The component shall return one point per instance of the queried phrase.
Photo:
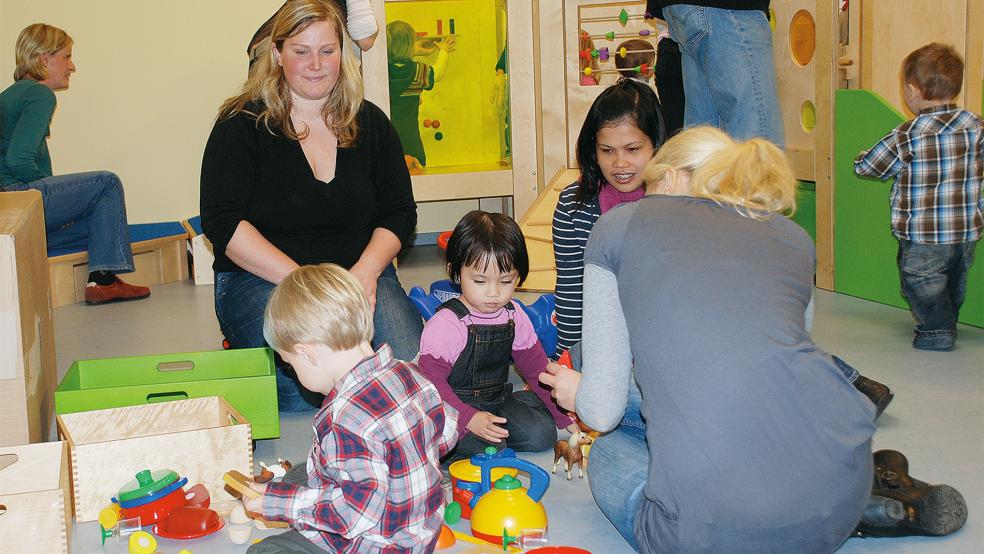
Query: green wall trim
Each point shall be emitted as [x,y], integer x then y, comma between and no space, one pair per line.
[864,247]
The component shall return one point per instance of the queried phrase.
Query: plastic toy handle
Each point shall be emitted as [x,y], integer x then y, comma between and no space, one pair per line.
[539,478]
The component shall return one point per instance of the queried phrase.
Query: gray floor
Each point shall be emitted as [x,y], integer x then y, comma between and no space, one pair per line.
[936,418]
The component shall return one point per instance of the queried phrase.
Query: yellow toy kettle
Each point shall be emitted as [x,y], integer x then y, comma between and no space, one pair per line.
[506,508]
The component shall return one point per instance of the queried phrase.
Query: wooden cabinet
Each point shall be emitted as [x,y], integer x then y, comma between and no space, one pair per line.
[27,349]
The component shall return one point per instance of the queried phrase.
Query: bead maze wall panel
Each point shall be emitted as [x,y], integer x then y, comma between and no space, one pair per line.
[794,43]
[593,34]
[448,84]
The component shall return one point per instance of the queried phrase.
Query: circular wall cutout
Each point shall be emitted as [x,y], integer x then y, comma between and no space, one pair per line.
[802,37]
[772,19]
[808,116]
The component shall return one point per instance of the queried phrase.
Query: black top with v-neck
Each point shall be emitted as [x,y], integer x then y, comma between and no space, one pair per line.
[250,174]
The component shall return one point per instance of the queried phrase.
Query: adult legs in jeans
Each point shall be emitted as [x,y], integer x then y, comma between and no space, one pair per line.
[241,298]
[934,282]
[396,321]
[617,473]
[729,77]
[86,207]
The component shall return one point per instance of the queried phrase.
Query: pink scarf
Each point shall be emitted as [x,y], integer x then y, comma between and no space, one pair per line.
[609,196]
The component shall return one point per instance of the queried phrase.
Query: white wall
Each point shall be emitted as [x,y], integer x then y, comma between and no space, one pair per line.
[151,76]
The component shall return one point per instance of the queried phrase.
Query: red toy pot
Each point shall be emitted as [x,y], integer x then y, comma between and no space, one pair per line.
[156,510]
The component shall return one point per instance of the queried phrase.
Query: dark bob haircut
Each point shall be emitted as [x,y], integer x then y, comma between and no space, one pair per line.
[625,100]
[481,237]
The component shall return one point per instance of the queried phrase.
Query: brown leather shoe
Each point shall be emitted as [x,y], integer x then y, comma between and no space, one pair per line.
[879,394]
[119,291]
[892,471]
[934,510]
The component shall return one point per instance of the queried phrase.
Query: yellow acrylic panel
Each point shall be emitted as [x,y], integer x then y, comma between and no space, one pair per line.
[458,122]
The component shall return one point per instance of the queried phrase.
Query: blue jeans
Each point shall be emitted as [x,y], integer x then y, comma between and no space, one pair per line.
[728,74]
[617,474]
[241,298]
[86,209]
[934,282]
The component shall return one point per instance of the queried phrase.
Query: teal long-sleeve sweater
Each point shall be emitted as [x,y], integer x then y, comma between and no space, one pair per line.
[26,108]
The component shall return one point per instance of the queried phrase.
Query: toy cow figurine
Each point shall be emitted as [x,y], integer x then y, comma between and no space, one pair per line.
[571,451]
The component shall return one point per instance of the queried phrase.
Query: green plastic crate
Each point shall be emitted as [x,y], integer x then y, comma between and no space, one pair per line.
[246,378]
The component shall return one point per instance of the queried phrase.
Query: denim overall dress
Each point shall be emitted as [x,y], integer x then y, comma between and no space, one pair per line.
[480,378]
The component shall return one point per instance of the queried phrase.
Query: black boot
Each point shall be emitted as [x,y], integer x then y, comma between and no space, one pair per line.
[879,394]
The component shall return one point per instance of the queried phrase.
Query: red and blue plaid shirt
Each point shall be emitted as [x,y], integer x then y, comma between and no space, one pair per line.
[937,160]
[374,478]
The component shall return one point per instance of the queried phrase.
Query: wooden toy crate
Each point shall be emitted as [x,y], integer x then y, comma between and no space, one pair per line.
[246,378]
[27,345]
[35,494]
[200,439]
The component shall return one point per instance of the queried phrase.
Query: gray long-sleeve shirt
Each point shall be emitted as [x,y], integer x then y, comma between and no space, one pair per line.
[757,442]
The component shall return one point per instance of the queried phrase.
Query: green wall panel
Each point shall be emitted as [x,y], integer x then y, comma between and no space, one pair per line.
[864,247]
[806,208]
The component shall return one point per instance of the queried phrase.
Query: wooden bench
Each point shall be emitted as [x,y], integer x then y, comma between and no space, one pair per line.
[158,257]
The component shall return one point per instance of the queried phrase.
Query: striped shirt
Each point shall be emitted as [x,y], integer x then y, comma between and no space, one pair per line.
[937,160]
[572,223]
[374,478]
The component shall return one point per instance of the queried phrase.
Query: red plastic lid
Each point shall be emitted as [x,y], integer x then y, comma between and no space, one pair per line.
[189,522]
[442,240]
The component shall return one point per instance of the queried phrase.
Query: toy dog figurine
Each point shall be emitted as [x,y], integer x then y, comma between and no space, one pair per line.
[571,451]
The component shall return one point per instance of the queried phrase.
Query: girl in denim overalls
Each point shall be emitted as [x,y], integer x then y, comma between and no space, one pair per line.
[466,347]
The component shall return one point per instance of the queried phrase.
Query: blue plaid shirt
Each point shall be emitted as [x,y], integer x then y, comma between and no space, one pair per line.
[937,160]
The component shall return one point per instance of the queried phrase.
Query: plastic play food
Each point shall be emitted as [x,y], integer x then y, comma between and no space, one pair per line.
[239,534]
[446,538]
[142,542]
[189,522]
[466,477]
[238,514]
[506,508]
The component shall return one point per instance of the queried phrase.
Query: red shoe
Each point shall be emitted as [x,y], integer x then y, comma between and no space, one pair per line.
[116,292]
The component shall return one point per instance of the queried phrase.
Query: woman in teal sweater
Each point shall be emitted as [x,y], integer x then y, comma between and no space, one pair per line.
[79,207]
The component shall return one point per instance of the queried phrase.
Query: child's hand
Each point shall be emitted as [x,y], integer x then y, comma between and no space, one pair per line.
[484,425]
[564,382]
[448,44]
[255,505]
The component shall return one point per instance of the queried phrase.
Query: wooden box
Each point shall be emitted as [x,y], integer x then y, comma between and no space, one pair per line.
[27,342]
[200,439]
[35,496]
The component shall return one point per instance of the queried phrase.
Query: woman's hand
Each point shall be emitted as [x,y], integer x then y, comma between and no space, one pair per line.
[484,425]
[563,382]
[255,505]
[367,278]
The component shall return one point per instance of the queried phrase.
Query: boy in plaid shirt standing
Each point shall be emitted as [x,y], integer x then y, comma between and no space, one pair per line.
[937,160]
[372,482]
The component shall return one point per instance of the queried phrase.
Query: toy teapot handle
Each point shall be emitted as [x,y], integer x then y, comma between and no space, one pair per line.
[539,478]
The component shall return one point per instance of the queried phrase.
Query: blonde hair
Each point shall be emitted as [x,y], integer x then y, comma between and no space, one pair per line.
[267,86]
[318,304]
[400,40]
[33,42]
[752,176]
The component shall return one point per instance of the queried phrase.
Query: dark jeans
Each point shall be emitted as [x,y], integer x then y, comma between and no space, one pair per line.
[934,282]
[531,427]
[87,209]
[241,297]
